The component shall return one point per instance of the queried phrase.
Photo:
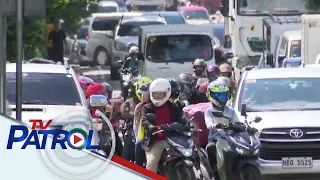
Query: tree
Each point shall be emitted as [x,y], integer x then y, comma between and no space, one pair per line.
[71,11]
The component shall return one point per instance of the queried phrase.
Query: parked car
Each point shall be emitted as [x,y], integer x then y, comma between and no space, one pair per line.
[78,49]
[100,36]
[171,17]
[107,7]
[126,35]
[195,14]
[121,4]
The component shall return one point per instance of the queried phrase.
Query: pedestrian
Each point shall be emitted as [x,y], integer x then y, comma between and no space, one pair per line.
[59,42]
[48,28]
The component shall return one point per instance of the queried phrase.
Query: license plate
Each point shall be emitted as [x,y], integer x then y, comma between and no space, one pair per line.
[296,162]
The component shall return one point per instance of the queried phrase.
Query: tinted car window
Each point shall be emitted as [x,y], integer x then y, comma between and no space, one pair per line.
[44,88]
[174,20]
[106,9]
[105,24]
[196,15]
[82,33]
[133,28]
[119,2]
[295,49]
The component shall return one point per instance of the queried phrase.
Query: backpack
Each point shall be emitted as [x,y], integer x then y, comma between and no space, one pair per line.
[197,112]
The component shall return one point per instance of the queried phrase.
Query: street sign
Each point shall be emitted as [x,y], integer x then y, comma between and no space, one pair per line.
[31,7]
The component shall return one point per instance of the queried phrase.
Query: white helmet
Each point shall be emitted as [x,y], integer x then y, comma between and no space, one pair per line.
[133,50]
[160,91]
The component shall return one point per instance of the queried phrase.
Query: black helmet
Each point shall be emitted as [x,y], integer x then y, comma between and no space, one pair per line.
[187,79]
[108,88]
[175,88]
[199,66]
[144,88]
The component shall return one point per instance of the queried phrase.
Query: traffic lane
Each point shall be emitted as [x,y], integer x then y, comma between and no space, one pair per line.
[100,74]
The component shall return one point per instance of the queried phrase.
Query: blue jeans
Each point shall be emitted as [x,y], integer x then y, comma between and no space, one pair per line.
[140,155]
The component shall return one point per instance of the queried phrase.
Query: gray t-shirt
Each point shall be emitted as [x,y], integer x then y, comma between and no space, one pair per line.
[211,120]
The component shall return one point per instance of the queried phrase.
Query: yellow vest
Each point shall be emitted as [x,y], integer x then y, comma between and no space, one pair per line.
[48,28]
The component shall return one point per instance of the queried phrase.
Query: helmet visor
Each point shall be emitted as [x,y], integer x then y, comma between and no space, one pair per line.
[159,95]
[220,96]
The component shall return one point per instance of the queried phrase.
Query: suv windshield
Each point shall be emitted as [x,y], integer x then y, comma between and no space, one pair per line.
[44,88]
[196,15]
[295,49]
[281,94]
[260,7]
[178,48]
[174,20]
[133,28]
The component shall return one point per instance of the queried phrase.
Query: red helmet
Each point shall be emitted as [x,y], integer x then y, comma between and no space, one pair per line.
[94,88]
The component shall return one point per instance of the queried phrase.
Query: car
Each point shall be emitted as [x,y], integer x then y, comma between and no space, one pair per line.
[287,100]
[100,36]
[171,17]
[126,35]
[78,53]
[107,7]
[121,4]
[49,91]
[195,14]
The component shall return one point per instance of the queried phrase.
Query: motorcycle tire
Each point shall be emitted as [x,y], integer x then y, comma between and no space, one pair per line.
[185,173]
[250,172]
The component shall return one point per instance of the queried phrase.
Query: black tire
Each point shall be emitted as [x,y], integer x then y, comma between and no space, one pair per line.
[185,173]
[250,172]
[95,57]
[114,74]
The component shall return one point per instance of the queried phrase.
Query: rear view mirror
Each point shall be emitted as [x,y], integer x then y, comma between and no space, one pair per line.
[140,56]
[270,59]
[257,119]
[229,55]
[110,34]
[151,117]
[244,110]
[96,101]
[224,11]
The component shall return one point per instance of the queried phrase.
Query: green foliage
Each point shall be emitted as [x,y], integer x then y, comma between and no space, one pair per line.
[71,11]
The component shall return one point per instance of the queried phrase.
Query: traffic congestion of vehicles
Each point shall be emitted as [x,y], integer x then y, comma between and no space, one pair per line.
[188,98]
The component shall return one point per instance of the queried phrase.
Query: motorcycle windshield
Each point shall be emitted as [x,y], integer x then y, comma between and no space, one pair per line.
[181,141]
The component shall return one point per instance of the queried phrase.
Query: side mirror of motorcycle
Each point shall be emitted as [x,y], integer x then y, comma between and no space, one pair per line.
[120,61]
[140,56]
[244,110]
[257,119]
[151,117]
[96,101]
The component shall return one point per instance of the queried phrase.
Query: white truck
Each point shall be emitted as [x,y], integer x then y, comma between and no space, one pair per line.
[243,23]
[310,38]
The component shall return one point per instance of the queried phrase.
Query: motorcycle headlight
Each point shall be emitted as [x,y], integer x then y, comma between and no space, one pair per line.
[187,152]
[243,151]
[120,46]
[125,83]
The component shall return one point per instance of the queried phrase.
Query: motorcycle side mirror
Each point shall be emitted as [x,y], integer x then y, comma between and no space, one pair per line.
[140,57]
[257,119]
[96,101]
[244,110]
[120,61]
[151,117]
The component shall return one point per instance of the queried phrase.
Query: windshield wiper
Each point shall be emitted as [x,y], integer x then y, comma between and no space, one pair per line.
[277,11]
[39,102]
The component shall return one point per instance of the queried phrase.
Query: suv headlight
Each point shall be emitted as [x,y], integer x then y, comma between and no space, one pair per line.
[120,46]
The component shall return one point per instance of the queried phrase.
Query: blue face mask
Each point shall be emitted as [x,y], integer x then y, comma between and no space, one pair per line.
[220,96]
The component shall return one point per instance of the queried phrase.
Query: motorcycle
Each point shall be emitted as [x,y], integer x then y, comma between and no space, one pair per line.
[178,160]
[238,148]
[128,79]
[129,142]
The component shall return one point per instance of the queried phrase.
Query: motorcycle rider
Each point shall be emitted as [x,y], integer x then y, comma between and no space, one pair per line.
[213,72]
[219,55]
[166,112]
[199,68]
[131,61]
[128,111]
[193,95]
[84,82]
[218,94]
[226,71]
[94,89]
[140,156]
[175,93]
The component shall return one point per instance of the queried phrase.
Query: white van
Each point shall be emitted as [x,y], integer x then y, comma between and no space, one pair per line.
[167,51]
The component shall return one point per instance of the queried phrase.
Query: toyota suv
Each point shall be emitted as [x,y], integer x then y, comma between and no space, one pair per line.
[126,35]
[100,36]
[288,101]
[50,92]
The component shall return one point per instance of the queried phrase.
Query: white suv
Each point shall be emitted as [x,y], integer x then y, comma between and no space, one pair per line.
[100,36]
[49,91]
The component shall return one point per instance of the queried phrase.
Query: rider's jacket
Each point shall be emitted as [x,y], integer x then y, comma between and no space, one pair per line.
[130,63]
[127,109]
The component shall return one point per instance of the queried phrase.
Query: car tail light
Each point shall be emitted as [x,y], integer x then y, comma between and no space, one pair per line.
[88,36]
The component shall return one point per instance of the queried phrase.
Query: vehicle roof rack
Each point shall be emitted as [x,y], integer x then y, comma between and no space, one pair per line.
[37,60]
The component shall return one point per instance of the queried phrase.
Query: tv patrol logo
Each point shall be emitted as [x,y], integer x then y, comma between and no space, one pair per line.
[70,148]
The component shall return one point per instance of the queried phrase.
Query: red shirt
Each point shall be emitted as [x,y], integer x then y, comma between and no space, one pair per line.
[163,115]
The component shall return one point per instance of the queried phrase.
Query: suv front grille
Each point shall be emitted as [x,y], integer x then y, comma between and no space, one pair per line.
[277,143]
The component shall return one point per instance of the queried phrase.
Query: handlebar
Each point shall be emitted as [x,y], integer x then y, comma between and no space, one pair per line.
[192,128]
[237,127]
